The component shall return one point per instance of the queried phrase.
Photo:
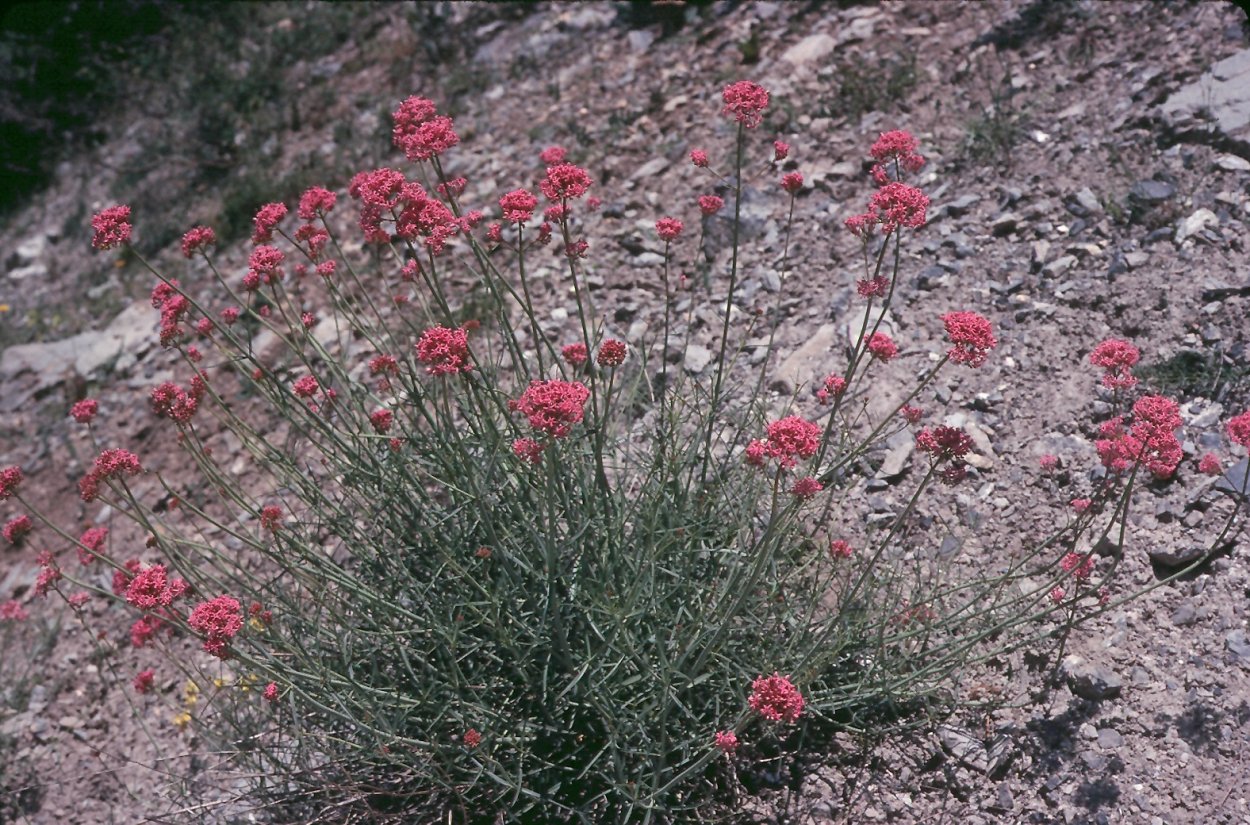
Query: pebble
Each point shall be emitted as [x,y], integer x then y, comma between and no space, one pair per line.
[1108,738]
[697,358]
[1090,681]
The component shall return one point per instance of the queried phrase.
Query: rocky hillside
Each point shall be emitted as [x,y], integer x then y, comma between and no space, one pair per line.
[1089,166]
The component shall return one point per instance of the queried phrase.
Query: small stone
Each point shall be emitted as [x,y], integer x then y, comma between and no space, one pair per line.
[960,206]
[809,49]
[1058,266]
[1195,223]
[1185,614]
[965,748]
[901,447]
[1090,681]
[1236,480]
[1175,555]
[697,358]
[1239,646]
[1087,202]
[806,362]
[1232,163]
[1005,224]
[1004,800]
[1151,192]
[1108,738]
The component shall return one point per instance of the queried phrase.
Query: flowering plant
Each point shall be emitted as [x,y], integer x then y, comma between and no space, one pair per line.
[491,570]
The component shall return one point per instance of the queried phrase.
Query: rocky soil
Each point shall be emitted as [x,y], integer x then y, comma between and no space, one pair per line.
[1089,166]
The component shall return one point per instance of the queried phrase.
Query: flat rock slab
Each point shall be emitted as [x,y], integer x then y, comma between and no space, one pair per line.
[1219,99]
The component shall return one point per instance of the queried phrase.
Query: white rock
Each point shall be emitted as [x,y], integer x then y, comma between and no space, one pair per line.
[1195,223]
[809,49]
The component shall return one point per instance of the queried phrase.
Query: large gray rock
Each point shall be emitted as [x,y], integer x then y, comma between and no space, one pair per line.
[51,362]
[810,362]
[1220,99]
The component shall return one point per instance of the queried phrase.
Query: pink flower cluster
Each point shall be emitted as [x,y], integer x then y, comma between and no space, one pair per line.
[711,204]
[776,698]
[612,353]
[17,528]
[575,354]
[789,439]
[882,347]
[385,195]
[840,549]
[173,306]
[91,544]
[173,402]
[1151,440]
[1080,566]
[444,351]
[316,202]
[944,443]
[896,146]
[668,229]
[834,385]
[565,181]
[1117,357]
[264,265]
[11,611]
[10,478]
[84,411]
[267,219]
[806,488]
[897,204]
[1239,429]
[726,741]
[518,206]
[112,227]
[553,407]
[218,620]
[420,131]
[745,102]
[152,588]
[109,464]
[197,239]
[792,182]
[972,336]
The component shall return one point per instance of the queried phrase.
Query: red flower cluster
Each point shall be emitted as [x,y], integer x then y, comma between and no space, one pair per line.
[271,692]
[91,544]
[781,150]
[316,202]
[1151,440]
[552,155]
[575,354]
[897,146]
[527,449]
[84,412]
[381,420]
[840,549]
[776,698]
[972,336]
[518,206]
[16,528]
[1239,429]
[745,102]
[271,517]
[834,386]
[264,265]
[143,681]
[726,741]
[173,402]
[420,131]
[711,204]
[472,738]
[444,351]
[668,229]
[196,239]
[789,439]
[306,387]
[173,306]
[553,407]
[152,588]
[1117,357]
[792,182]
[612,353]
[882,346]
[112,227]
[805,488]
[564,181]
[108,464]
[875,287]
[897,204]
[267,218]
[11,611]
[49,574]
[10,477]
[699,158]
[218,620]
[1080,566]
[1210,465]
[944,443]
